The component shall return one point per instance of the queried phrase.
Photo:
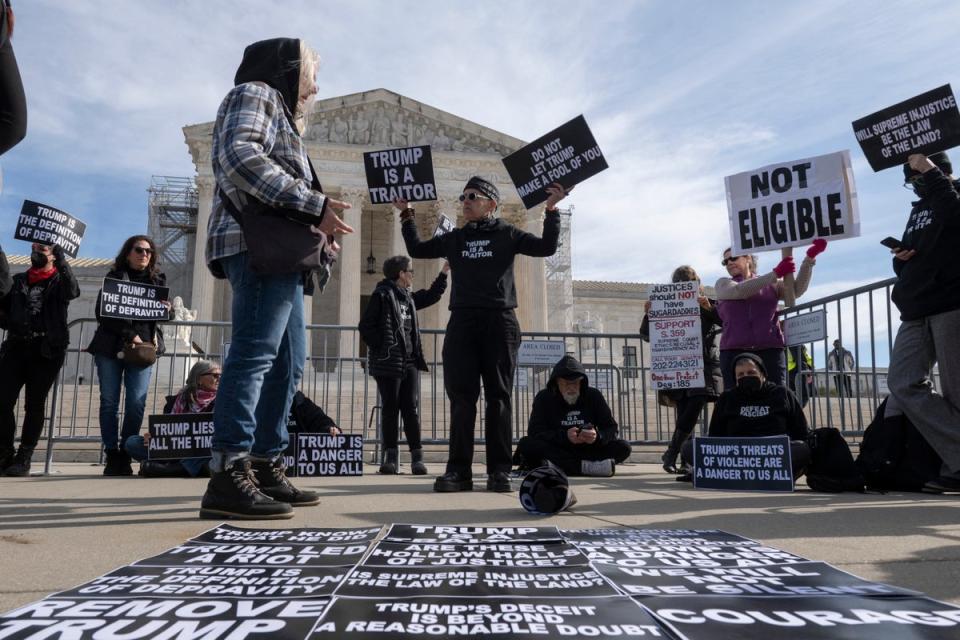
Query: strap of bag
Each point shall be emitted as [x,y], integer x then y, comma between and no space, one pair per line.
[232,209]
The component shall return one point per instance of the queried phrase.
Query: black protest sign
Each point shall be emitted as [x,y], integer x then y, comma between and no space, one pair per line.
[444,225]
[210,619]
[742,464]
[810,618]
[213,582]
[497,620]
[720,555]
[558,554]
[226,533]
[242,555]
[181,435]
[800,579]
[45,225]
[568,155]
[925,124]
[666,536]
[470,535]
[316,455]
[125,300]
[400,174]
[790,204]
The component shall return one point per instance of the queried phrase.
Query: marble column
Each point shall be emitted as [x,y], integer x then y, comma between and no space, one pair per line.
[351,264]
[202,296]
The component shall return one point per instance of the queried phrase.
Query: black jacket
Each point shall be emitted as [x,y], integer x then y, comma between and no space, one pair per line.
[929,282]
[113,334]
[380,327]
[5,280]
[62,287]
[711,326]
[552,416]
[481,258]
[772,411]
[308,417]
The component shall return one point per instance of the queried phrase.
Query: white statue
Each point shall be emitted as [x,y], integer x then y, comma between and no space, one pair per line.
[180,313]
[380,128]
[340,130]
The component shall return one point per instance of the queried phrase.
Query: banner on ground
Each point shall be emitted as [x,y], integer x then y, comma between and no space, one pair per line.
[553,554]
[271,555]
[126,300]
[316,455]
[470,535]
[44,224]
[924,124]
[790,204]
[738,555]
[742,464]
[676,343]
[805,328]
[569,155]
[180,435]
[229,534]
[400,174]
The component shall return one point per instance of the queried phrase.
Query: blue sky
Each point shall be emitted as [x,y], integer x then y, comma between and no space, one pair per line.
[679,94]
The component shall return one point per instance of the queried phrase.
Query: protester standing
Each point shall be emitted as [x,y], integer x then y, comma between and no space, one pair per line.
[747,303]
[689,403]
[841,362]
[35,316]
[391,329]
[124,352]
[927,292]
[260,159]
[483,335]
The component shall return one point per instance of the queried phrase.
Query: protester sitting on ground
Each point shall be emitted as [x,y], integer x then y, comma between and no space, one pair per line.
[571,426]
[927,292]
[689,403]
[34,313]
[747,303]
[757,407]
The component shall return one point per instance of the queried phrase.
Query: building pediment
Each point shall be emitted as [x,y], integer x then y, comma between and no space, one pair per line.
[382,118]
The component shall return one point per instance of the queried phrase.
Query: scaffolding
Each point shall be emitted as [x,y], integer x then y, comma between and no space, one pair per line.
[559,274]
[172,223]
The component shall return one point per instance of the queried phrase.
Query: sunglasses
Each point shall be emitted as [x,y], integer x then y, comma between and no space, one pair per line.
[473,196]
[144,251]
[727,261]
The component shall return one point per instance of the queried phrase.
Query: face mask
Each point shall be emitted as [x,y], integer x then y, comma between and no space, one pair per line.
[38,260]
[749,384]
[920,191]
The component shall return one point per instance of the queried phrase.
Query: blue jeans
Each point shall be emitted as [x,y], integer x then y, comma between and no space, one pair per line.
[113,374]
[265,362]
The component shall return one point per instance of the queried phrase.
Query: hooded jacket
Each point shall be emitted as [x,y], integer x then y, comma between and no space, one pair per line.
[929,282]
[552,416]
[773,410]
[381,326]
[481,258]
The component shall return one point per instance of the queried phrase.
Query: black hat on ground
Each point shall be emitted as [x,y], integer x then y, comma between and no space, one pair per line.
[546,491]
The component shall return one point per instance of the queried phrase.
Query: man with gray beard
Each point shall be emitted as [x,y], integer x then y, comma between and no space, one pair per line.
[572,427]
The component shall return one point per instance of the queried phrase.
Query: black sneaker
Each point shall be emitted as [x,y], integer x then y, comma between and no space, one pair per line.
[233,493]
[20,467]
[272,480]
[943,484]
[453,481]
[499,481]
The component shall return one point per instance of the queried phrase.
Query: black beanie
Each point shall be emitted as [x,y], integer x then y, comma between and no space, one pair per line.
[486,188]
[752,357]
[941,159]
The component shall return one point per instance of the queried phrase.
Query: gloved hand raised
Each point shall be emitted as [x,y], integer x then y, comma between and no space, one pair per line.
[818,247]
[785,267]
[57,252]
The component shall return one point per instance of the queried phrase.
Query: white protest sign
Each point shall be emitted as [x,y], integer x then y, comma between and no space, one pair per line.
[805,328]
[541,352]
[676,344]
[789,204]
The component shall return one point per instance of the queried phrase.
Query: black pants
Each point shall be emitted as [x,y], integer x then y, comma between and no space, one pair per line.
[21,365]
[568,456]
[799,456]
[689,409]
[398,396]
[480,345]
[844,385]
[13,103]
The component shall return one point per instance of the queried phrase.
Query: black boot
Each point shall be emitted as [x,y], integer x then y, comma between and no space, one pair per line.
[233,493]
[272,480]
[162,469]
[6,457]
[21,463]
[391,462]
[669,457]
[416,462]
[118,463]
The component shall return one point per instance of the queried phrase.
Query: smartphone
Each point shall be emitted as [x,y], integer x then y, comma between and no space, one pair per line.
[587,427]
[891,243]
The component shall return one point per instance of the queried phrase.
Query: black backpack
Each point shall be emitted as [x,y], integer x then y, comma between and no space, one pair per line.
[895,456]
[832,468]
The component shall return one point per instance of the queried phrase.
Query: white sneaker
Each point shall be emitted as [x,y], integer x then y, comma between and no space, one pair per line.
[598,468]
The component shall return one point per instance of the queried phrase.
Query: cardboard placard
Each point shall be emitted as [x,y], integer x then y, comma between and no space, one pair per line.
[790,204]
[927,123]
[676,342]
[125,300]
[470,535]
[400,174]
[553,554]
[742,464]
[44,224]
[805,328]
[444,225]
[321,455]
[569,155]
[181,435]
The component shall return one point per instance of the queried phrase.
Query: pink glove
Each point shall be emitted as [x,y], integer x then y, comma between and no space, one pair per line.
[785,267]
[819,246]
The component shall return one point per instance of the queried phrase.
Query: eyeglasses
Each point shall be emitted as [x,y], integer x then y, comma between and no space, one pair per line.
[144,251]
[727,261]
[915,181]
[473,196]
